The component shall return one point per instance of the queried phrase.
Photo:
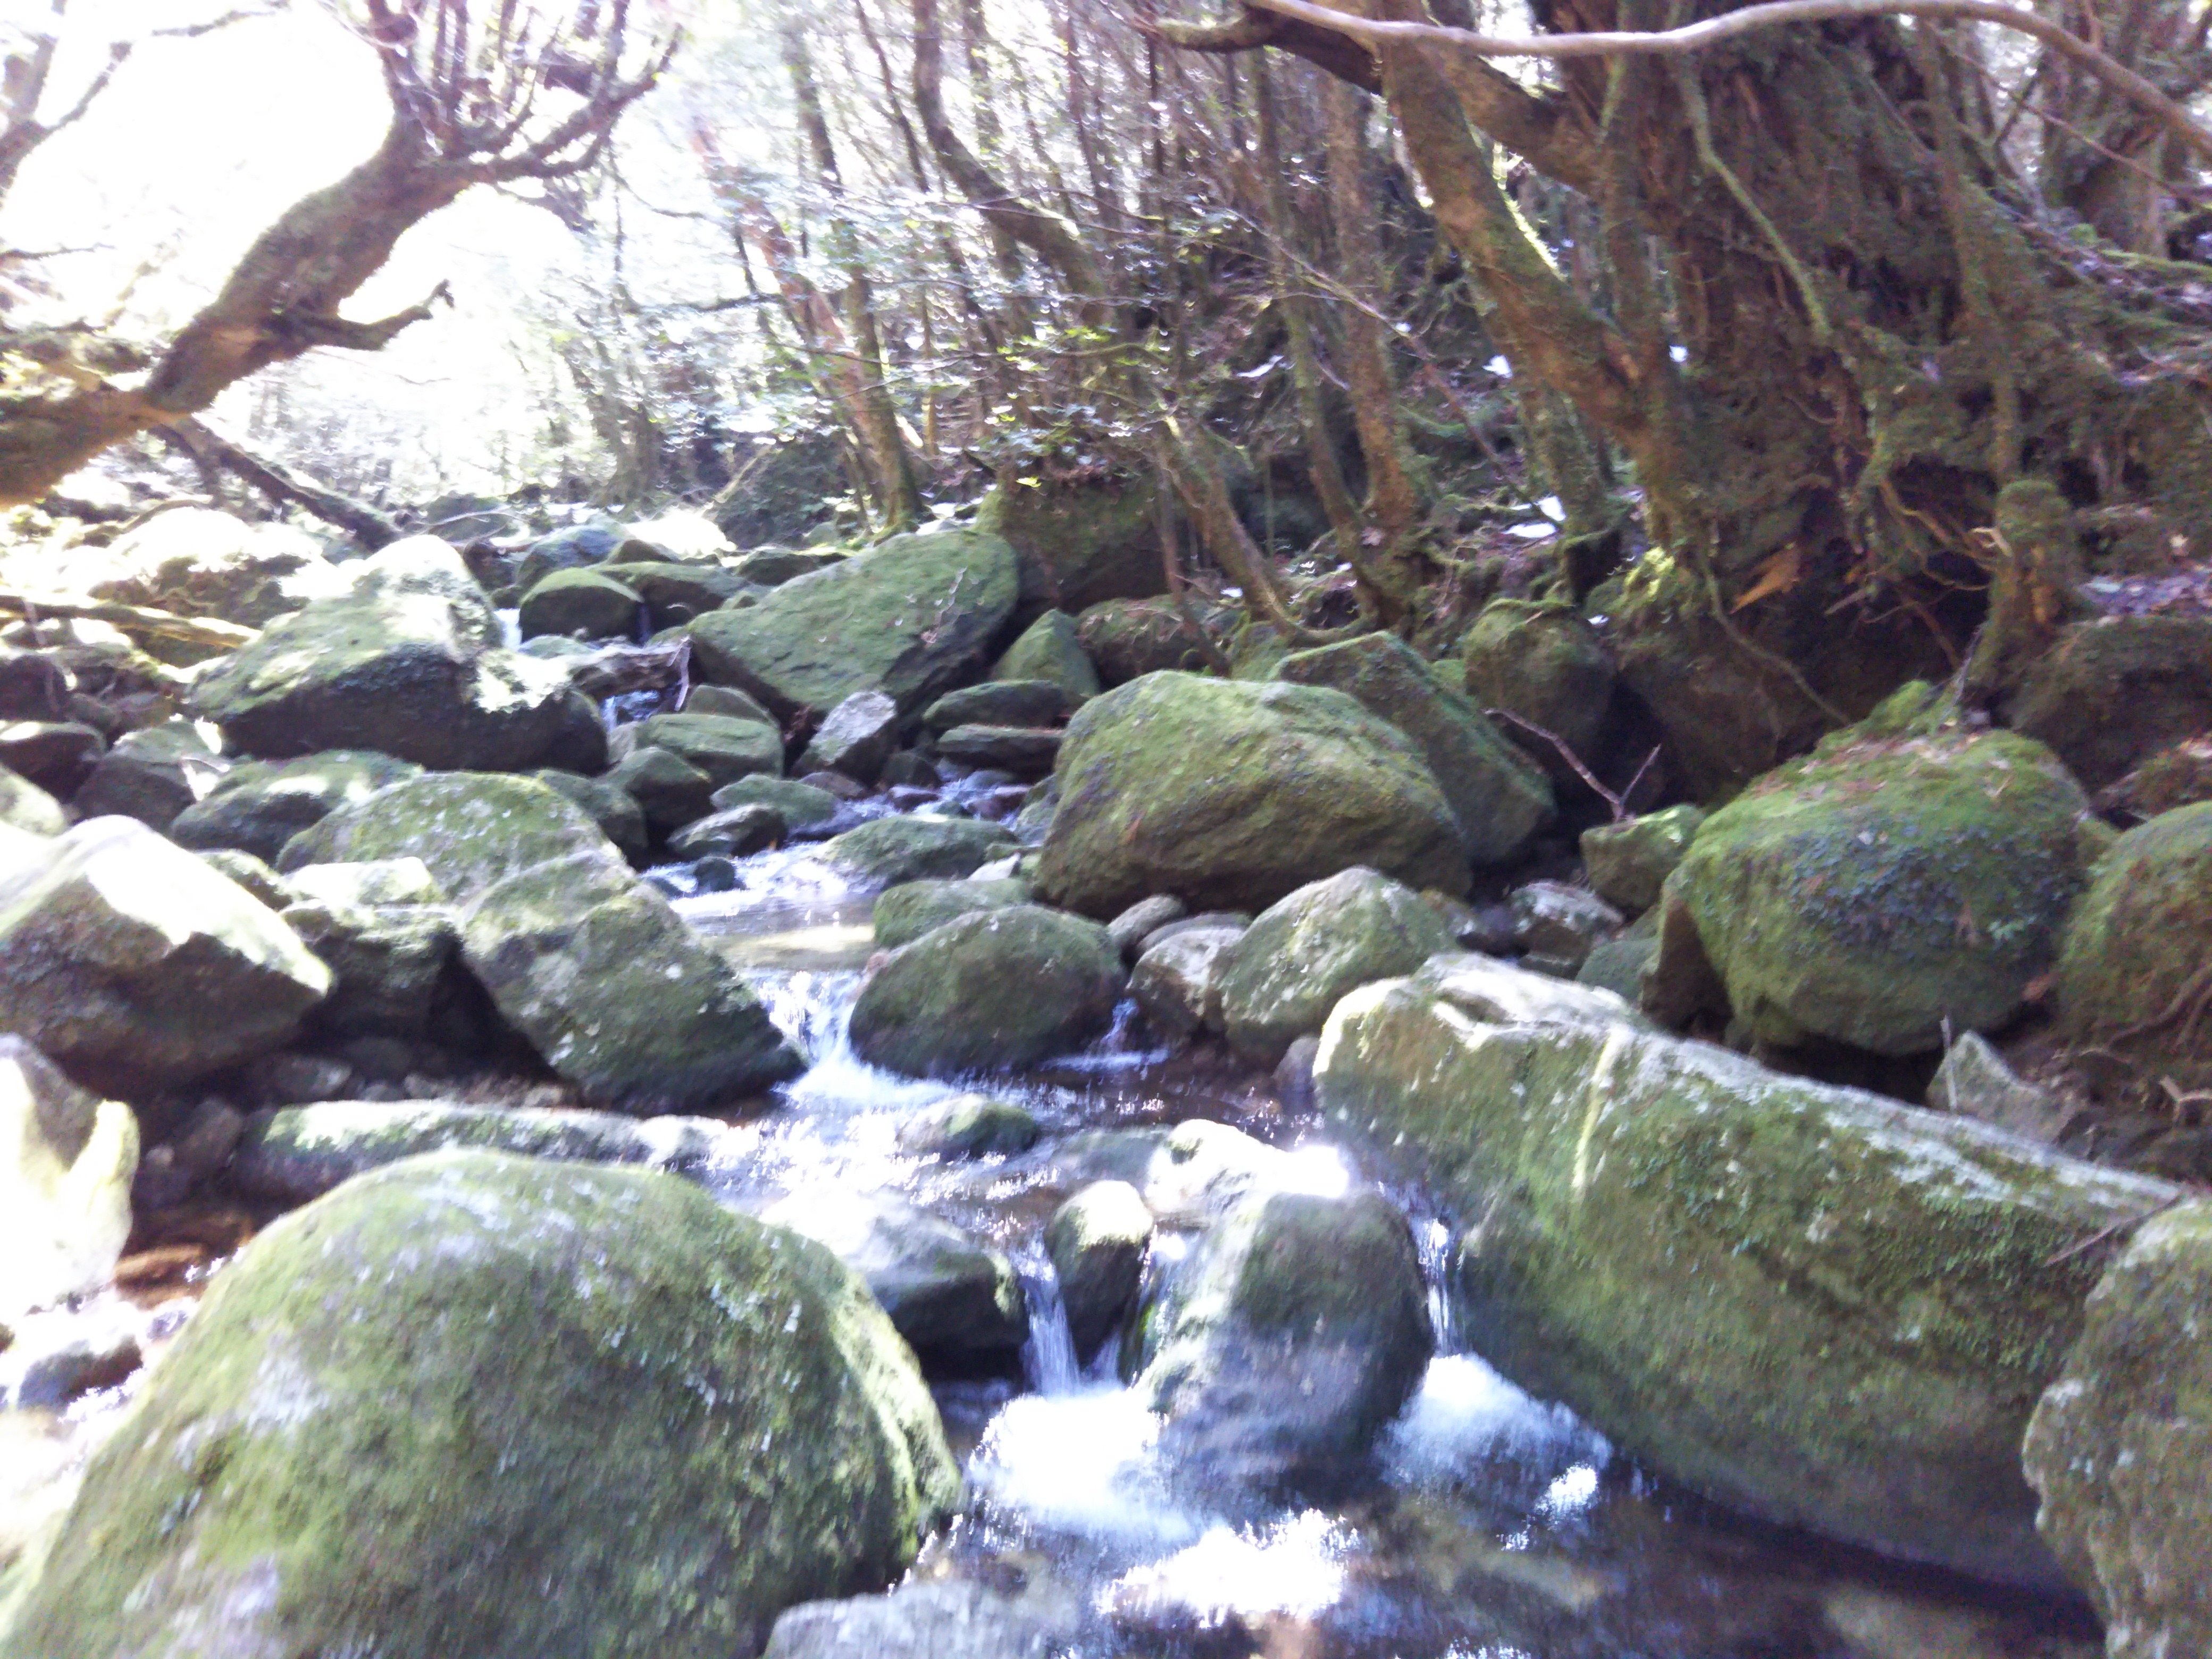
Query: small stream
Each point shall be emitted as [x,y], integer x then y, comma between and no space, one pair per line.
[1490,1525]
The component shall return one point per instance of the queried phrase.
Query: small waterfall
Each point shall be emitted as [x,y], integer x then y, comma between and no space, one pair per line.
[1048,1356]
[1432,1241]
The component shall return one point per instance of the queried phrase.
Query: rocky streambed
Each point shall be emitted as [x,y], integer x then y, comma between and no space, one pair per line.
[898,1149]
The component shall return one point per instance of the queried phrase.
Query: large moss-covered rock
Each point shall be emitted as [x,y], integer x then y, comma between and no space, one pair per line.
[494,1406]
[1812,1303]
[725,747]
[1230,794]
[1126,638]
[590,604]
[1544,662]
[1080,541]
[910,617]
[1049,649]
[2113,692]
[580,955]
[2120,1445]
[137,967]
[1305,950]
[1001,703]
[64,1182]
[258,806]
[884,852]
[2132,968]
[1501,798]
[1295,1331]
[408,664]
[905,912]
[990,990]
[1872,892]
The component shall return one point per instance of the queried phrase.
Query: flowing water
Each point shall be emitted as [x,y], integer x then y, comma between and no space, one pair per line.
[1490,1524]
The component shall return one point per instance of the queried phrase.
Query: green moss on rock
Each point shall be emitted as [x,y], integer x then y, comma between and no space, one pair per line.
[2136,949]
[482,1404]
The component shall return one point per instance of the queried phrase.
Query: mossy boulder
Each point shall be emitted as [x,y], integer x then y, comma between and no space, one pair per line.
[989,991]
[1874,890]
[2113,692]
[886,852]
[608,804]
[137,967]
[64,1182]
[1079,540]
[970,1126]
[1813,1303]
[1177,981]
[669,790]
[150,775]
[259,806]
[408,664]
[800,806]
[855,738]
[1230,794]
[495,1406]
[675,593]
[580,955]
[725,747]
[1050,649]
[1630,861]
[1126,638]
[1545,663]
[2119,1446]
[908,911]
[1001,703]
[589,605]
[1293,1333]
[911,617]
[571,548]
[1500,797]
[2132,971]
[1304,951]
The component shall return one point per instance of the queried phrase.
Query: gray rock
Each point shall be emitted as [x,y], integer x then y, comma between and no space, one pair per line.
[1561,922]
[33,687]
[58,756]
[587,605]
[910,617]
[904,913]
[969,1126]
[1025,752]
[1974,1080]
[138,967]
[997,989]
[1177,981]
[1097,1240]
[571,548]
[1294,1076]
[668,789]
[930,1619]
[1050,650]
[434,1467]
[56,1359]
[909,768]
[1001,703]
[953,1299]
[300,1153]
[1296,1329]
[675,593]
[1497,993]
[725,747]
[255,876]
[64,1183]
[2120,1442]
[726,701]
[1188,1173]
[736,833]
[258,806]
[1279,981]
[408,664]
[1134,926]
[1499,797]
[772,566]
[800,806]
[855,738]
[295,1079]
[371,882]
[201,1144]
[1619,965]
[151,774]
[1630,861]
[1128,639]
[388,964]
[888,851]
